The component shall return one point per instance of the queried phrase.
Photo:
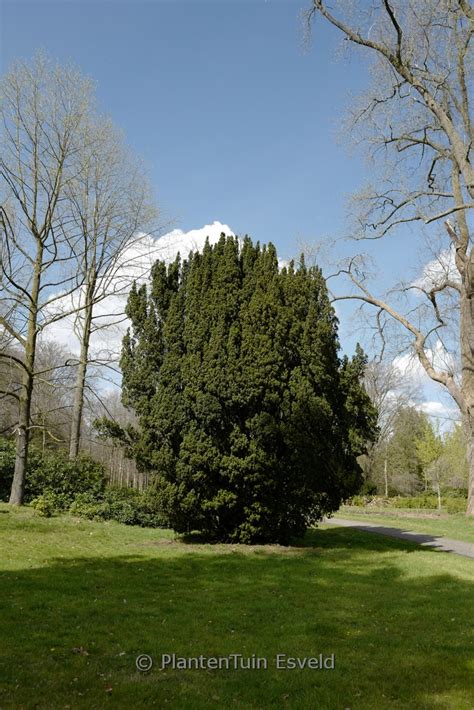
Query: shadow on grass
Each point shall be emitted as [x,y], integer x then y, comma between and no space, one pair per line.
[70,631]
[430,540]
[342,538]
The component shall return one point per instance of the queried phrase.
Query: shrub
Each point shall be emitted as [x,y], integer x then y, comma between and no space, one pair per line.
[359,501]
[51,472]
[456,493]
[425,501]
[124,505]
[368,500]
[7,466]
[430,502]
[368,488]
[56,473]
[47,505]
[87,506]
[455,505]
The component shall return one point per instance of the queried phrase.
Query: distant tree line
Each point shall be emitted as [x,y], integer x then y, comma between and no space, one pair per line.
[73,200]
[411,454]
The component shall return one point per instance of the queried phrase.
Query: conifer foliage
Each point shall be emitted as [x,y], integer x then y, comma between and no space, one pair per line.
[248,418]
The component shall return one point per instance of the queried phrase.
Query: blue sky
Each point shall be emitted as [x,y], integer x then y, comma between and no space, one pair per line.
[237,120]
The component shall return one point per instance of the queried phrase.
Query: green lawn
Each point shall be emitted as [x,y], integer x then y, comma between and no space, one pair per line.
[456,526]
[80,600]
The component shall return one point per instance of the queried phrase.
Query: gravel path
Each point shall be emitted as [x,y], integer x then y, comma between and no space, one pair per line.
[445,544]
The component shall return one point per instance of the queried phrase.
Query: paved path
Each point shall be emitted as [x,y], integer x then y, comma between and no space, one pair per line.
[466,549]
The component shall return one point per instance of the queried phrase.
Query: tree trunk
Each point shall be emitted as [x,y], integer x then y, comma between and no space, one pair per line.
[78,405]
[438,489]
[385,475]
[21,453]
[467,369]
[470,464]
[24,409]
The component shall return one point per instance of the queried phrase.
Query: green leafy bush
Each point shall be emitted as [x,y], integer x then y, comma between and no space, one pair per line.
[455,505]
[360,501]
[368,489]
[56,473]
[51,472]
[54,484]
[428,502]
[87,506]
[48,504]
[7,466]
[452,503]
[124,505]
[456,493]
[368,500]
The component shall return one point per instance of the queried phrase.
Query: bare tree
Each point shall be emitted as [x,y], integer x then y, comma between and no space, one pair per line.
[390,392]
[417,121]
[51,403]
[52,386]
[42,111]
[111,207]
[121,469]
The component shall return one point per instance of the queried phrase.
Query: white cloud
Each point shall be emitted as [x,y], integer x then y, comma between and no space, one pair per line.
[135,264]
[439,410]
[194,240]
[431,397]
[438,270]
[409,365]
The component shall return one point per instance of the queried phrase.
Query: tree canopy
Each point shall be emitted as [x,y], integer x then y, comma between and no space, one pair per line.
[249,419]
[416,124]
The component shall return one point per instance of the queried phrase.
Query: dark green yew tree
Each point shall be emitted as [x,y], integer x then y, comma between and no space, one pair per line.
[250,421]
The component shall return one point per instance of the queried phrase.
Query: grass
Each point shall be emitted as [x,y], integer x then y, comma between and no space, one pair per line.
[453,525]
[81,600]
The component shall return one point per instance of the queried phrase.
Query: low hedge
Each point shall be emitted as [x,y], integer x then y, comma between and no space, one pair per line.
[450,503]
[125,505]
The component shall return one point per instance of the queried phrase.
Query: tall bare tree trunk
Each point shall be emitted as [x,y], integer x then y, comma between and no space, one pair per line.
[24,410]
[78,405]
[413,49]
[470,463]
[467,368]
[21,453]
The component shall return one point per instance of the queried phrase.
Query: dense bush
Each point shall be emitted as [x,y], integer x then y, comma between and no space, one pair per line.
[430,502]
[452,503]
[249,419]
[50,503]
[368,488]
[455,505]
[54,484]
[51,472]
[125,505]
[368,500]
[455,493]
